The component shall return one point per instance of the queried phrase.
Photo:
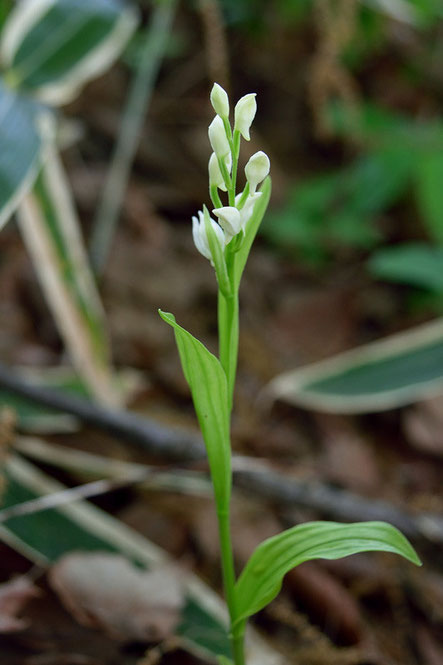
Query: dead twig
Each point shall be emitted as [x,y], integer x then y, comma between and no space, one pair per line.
[249,475]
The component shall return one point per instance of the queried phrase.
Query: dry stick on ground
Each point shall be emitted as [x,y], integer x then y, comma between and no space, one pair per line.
[176,445]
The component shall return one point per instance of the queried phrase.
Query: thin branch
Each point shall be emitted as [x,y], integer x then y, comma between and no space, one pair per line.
[158,440]
[148,65]
[65,496]
[249,474]
[157,478]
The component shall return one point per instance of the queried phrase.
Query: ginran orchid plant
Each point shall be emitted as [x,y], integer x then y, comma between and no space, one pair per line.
[226,243]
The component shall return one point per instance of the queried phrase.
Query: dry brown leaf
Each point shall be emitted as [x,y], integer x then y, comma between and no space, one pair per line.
[108,592]
[423,425]
[13,596]
[431,649]
[348,458]
[327,602]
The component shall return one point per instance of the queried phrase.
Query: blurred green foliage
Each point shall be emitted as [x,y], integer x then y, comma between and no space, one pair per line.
[386,202]
[5,8]
[401,164]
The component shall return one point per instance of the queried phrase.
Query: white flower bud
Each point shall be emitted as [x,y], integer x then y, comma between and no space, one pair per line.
[220,101]
[215,175]
[230,220]
[257,169]
[201,238]
[244,113]
[217,137]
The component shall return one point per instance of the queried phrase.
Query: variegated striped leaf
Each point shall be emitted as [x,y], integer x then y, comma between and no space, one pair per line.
[51,48]
[21,145]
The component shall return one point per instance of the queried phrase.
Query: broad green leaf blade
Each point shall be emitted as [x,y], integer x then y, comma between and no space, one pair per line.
[53,47]
[416,264]
[20,149]
[207,381]
[429,179]
[395,371]
[262,577]
[51,230]
[45,536]
[252,228]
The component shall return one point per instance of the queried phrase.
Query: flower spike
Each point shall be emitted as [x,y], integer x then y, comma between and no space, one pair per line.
[257,169]
[215,175]
[244,112]
[220,101]
[229,219]
[201,237]
[218,139]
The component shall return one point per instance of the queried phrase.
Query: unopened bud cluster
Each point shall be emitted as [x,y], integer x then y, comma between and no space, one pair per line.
[232,219]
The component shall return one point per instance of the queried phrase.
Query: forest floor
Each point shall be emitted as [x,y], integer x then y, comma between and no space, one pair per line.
[367,610]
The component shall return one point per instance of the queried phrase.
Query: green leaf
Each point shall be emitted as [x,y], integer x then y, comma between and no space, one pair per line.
[395,371]
[52,47]
[340,208]
[20,138]
[251,230]
[429,181]
[262,577]
[207,381]
[416,264]
[222,660]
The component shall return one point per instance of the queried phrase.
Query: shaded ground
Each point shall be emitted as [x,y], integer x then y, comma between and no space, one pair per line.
[370,610]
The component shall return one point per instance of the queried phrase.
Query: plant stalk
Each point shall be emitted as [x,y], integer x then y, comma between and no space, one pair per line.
[227,558]
[228,331]
[238,650]
[228,338]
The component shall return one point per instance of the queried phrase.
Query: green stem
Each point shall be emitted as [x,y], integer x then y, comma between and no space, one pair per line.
[228,341]
[235,155]
[215,198]
[227,559]
[228,338]
[238,648]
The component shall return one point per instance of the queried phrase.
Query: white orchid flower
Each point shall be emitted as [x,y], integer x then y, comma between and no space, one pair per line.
[200,236]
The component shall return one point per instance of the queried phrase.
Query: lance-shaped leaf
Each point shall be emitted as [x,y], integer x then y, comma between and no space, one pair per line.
[395,371]
[52,47]
[262,577]
[20,148]
[207,381]
[51,230]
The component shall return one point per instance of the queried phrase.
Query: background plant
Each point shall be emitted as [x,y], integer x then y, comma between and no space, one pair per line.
[49,49]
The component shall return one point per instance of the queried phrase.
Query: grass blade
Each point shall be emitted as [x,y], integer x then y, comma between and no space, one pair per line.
[51,231]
